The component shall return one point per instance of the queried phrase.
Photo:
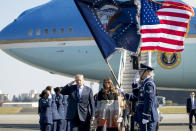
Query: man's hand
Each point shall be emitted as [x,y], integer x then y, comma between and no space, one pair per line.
[71,83]
[144,121]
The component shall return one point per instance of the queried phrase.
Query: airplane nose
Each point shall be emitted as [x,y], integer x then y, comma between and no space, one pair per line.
[31,19]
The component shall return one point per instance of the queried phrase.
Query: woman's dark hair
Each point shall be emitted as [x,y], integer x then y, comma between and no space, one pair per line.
[49,88]
[57,89]
[44,92]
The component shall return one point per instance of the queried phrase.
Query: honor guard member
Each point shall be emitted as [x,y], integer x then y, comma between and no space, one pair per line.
[146,113]
[65,104]
[55,113]
[45,111]
[134,103]
[60,109]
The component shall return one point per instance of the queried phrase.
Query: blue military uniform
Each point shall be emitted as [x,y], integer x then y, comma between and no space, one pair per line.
[55,114]
[45,111]
[145,95]
[60,108]
[133,98]
[147,105]
[65,104]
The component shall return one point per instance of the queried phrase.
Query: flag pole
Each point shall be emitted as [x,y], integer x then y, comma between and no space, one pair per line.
[112,72]
[127,101]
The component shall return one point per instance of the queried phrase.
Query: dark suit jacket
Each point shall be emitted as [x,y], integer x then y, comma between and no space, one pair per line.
[189,105]
[84,106]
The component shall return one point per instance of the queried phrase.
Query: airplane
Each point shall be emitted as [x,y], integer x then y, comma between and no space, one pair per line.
[54,37]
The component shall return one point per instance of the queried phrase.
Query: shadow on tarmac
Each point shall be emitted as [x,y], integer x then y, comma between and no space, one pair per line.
[21,126]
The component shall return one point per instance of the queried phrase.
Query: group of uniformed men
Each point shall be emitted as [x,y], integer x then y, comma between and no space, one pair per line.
[53,106]
[52,110]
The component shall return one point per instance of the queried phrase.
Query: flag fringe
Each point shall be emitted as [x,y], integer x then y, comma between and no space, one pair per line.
[188,8]
[156,50]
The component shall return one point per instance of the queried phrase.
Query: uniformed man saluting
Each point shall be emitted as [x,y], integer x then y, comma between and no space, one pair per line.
[146,113]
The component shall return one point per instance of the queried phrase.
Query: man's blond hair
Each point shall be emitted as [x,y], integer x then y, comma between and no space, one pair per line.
[80,75]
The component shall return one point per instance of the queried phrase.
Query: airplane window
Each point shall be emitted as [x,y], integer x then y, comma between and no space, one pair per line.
[45,31]
[62,31]
[38,32]
[30,32]
[53,31]
[70,30]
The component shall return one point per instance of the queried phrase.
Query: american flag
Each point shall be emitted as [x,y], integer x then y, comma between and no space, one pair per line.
[164,25]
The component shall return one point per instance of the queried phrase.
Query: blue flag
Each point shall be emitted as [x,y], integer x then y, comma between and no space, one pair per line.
[112,23]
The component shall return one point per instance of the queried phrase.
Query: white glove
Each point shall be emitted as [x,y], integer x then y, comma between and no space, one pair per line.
[144,121]
[121,90]
[137,77]
[50,96]
[52,91]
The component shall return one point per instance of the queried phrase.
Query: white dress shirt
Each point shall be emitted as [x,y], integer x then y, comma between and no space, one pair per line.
[193,103]
[80,88]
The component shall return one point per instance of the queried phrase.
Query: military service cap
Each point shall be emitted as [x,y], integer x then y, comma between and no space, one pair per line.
[145,67]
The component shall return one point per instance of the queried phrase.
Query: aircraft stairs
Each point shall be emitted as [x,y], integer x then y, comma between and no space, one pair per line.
[127,73]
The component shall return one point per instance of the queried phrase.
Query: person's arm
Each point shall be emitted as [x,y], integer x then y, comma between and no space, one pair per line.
[56,102]
[187,106]
[97,111]
[66,89]
[54,99]
[157,102]
[92,104]
[59,100]
[116,106]
[148,100]
[39,110]
[134,95]
[121,107]
[45,103]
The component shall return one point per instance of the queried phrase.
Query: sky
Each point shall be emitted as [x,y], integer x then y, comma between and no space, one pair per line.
[15,76]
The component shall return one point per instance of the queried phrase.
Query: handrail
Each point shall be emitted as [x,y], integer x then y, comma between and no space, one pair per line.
[122,66]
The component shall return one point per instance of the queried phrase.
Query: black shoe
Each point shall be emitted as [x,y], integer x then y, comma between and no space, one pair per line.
[191,128]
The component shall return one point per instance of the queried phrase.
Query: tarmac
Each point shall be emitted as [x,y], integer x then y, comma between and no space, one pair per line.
[29,122]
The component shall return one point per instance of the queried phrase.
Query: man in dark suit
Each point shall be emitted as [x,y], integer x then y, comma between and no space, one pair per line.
[80,104]
[191,108]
